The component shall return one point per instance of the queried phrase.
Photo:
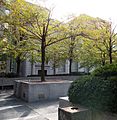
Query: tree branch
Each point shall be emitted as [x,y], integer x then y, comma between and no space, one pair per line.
[32,33]
[39,27]
[48,22]
[80,34]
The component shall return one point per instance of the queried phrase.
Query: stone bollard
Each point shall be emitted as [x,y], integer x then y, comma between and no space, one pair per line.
[73,113]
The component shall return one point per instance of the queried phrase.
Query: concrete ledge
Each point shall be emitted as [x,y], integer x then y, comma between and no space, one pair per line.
[65,112]
[32,91]
[70,113]
[10,81]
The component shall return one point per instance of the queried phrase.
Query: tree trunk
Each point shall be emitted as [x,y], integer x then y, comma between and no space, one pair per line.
[54,64]
[43,59]
[110,52]
[103,62]
[54,68]
[18,65]
[31,68]
[70,66]
[72,45]
[110,57]
[103,59]
[110,48]
[10,65]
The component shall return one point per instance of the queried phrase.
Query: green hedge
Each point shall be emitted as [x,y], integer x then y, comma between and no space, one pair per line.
[95,92]
[106,71]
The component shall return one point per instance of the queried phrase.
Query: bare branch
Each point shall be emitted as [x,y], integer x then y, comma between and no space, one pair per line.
[114,34]
[114,30]
[48,22]
[52,33]
[39,27]
[80,34]
[87,36]
[32,32]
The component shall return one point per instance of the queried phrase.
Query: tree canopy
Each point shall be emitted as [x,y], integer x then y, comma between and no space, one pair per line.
[31,33]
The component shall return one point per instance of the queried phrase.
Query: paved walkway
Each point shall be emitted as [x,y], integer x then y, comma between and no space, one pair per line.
[12,108]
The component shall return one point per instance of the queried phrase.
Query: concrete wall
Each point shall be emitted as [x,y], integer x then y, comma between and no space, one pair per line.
[38,92]
[24,91]
[17,89]
[10,81]
[35,91]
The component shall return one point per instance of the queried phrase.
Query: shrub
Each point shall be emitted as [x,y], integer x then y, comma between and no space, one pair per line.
[2,74]
[11,75]
[95,92]
[106,71]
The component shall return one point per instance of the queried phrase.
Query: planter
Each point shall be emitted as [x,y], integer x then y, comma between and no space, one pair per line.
[32,91]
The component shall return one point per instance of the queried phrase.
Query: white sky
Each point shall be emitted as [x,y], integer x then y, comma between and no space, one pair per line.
[105,9]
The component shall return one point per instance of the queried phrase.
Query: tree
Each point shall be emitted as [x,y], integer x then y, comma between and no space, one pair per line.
[77,26]
[99,39]
[104,40]
[33,56]
[89,55]
[55,55]
[38,25]
[110,41]
[19,45]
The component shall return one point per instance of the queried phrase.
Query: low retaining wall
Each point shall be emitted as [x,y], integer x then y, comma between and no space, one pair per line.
[34,90]
[10,81]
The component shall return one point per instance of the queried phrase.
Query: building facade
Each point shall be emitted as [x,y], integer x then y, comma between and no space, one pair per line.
[28,69]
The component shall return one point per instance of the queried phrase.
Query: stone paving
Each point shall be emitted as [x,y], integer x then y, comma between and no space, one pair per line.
[12,108]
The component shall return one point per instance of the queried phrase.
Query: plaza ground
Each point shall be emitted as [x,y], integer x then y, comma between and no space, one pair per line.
[12,108]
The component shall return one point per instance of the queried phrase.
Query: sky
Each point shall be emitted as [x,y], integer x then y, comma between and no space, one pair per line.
[105,9]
